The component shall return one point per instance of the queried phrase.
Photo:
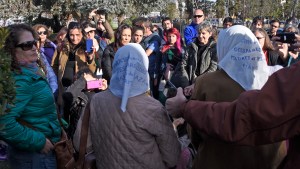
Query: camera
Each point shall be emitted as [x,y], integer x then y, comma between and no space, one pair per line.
[287,37]
[94,84]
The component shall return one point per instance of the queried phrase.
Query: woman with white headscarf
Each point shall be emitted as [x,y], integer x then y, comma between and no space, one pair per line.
[242,67]
[129,128]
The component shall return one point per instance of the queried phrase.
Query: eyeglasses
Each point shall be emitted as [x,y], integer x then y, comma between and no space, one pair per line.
[274,26]
[258,38]
[43,32]
[27,45]
[89,32]
[198,16]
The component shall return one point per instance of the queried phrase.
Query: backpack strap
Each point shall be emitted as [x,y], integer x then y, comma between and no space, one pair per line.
[83,136]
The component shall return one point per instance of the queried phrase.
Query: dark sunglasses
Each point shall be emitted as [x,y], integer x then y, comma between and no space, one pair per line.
[258,38]
[43,32]
[27,45]
[198,16]
[90,32]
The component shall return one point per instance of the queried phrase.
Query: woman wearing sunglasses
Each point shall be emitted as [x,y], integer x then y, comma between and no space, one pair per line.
[45,46]
[71,57]
[31,127]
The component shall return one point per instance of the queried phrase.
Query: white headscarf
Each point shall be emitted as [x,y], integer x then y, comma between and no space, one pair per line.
[130,73]
[242,58]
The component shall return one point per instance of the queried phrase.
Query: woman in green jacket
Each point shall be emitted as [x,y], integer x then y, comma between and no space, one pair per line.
[31,127]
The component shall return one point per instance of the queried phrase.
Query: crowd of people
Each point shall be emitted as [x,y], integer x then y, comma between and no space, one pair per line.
[128,78]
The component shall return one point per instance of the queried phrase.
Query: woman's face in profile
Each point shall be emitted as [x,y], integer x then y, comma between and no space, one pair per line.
[261,39]
[26,53]
[204,36]
[75,36]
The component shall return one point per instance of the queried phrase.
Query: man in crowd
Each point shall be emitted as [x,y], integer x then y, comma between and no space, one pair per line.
[166,24]
[151,42]
[190,32]
[227,22]
[258,22]
[274,25]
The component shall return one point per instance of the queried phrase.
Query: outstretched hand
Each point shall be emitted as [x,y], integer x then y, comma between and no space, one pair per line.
[174,104]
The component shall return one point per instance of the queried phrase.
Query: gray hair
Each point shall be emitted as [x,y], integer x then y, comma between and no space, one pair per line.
[205,26]
[294,27]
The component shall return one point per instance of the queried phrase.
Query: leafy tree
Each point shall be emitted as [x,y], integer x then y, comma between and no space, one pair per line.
[7,90]
[220,10]
[171,11]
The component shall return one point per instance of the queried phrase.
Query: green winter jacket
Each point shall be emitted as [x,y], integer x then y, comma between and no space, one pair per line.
[35,105]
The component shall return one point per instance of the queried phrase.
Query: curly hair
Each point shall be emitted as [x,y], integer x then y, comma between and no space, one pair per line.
[38,26]
[15,32]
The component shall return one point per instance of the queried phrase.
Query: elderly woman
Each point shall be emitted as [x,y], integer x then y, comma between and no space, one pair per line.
[242,67]
[71,57]
[293,57]
[129,128]
[31,127]
[202,57]
[45,46]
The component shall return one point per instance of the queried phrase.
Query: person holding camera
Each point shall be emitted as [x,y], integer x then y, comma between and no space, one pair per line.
[76,98]
[293,56]
[272,55]
[71,57]
[104,29]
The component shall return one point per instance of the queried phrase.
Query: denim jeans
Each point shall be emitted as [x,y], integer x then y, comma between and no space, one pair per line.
[19,159]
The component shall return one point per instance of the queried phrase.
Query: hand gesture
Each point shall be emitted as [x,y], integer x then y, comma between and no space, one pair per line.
[174,104]
[188,91]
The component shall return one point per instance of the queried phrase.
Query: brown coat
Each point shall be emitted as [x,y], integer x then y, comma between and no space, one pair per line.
[140,138]
[215,154]
[59,62]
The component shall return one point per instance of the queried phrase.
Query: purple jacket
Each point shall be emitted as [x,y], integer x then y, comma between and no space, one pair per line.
[48,50]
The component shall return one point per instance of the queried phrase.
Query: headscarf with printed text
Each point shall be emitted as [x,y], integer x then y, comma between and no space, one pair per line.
[129,73]
[242,58]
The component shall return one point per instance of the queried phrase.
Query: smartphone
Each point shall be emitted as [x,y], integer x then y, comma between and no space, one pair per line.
[89,45]
[287,37]
[94,84]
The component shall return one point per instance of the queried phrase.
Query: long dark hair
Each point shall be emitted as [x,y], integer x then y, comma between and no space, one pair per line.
[118,36]
[15,32]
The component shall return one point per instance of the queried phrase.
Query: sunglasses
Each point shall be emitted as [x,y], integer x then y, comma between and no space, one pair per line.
[198,16]
[258,38]
[89,32]
[27,45]
[43,32]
